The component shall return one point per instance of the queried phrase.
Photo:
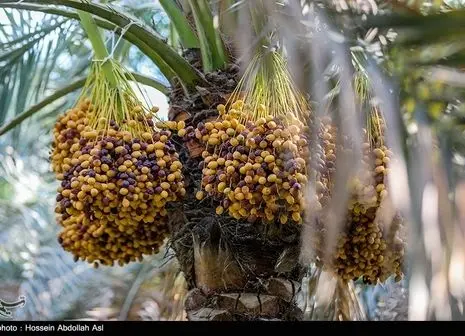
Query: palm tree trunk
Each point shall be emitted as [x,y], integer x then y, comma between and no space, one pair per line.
[234,272]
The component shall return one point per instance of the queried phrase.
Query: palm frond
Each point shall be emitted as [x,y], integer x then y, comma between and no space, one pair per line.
[30,59]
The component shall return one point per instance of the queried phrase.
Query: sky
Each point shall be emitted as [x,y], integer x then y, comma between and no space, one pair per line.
[155,98]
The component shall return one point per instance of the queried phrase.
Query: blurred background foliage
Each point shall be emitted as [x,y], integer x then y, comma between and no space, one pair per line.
[41,53]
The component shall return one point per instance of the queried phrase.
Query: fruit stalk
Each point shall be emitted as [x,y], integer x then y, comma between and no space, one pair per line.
[98,45]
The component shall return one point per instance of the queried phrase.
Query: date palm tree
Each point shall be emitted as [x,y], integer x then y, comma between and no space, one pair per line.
[236,270]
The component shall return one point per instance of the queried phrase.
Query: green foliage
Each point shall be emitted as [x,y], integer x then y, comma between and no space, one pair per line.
[213,52]
[182,26]
[28,60]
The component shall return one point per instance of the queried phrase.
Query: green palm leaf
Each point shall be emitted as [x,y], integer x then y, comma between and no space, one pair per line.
[186,35]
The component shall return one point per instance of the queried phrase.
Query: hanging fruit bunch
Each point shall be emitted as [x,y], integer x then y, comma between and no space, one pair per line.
[370,245]
[373,248]
[254,164]
[117,172]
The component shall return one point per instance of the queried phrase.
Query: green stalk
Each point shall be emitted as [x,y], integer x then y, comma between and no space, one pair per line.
[219,52]
[205,48]
[173,38]
[98,45]
[149,82]
[211,45]
[181,24]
